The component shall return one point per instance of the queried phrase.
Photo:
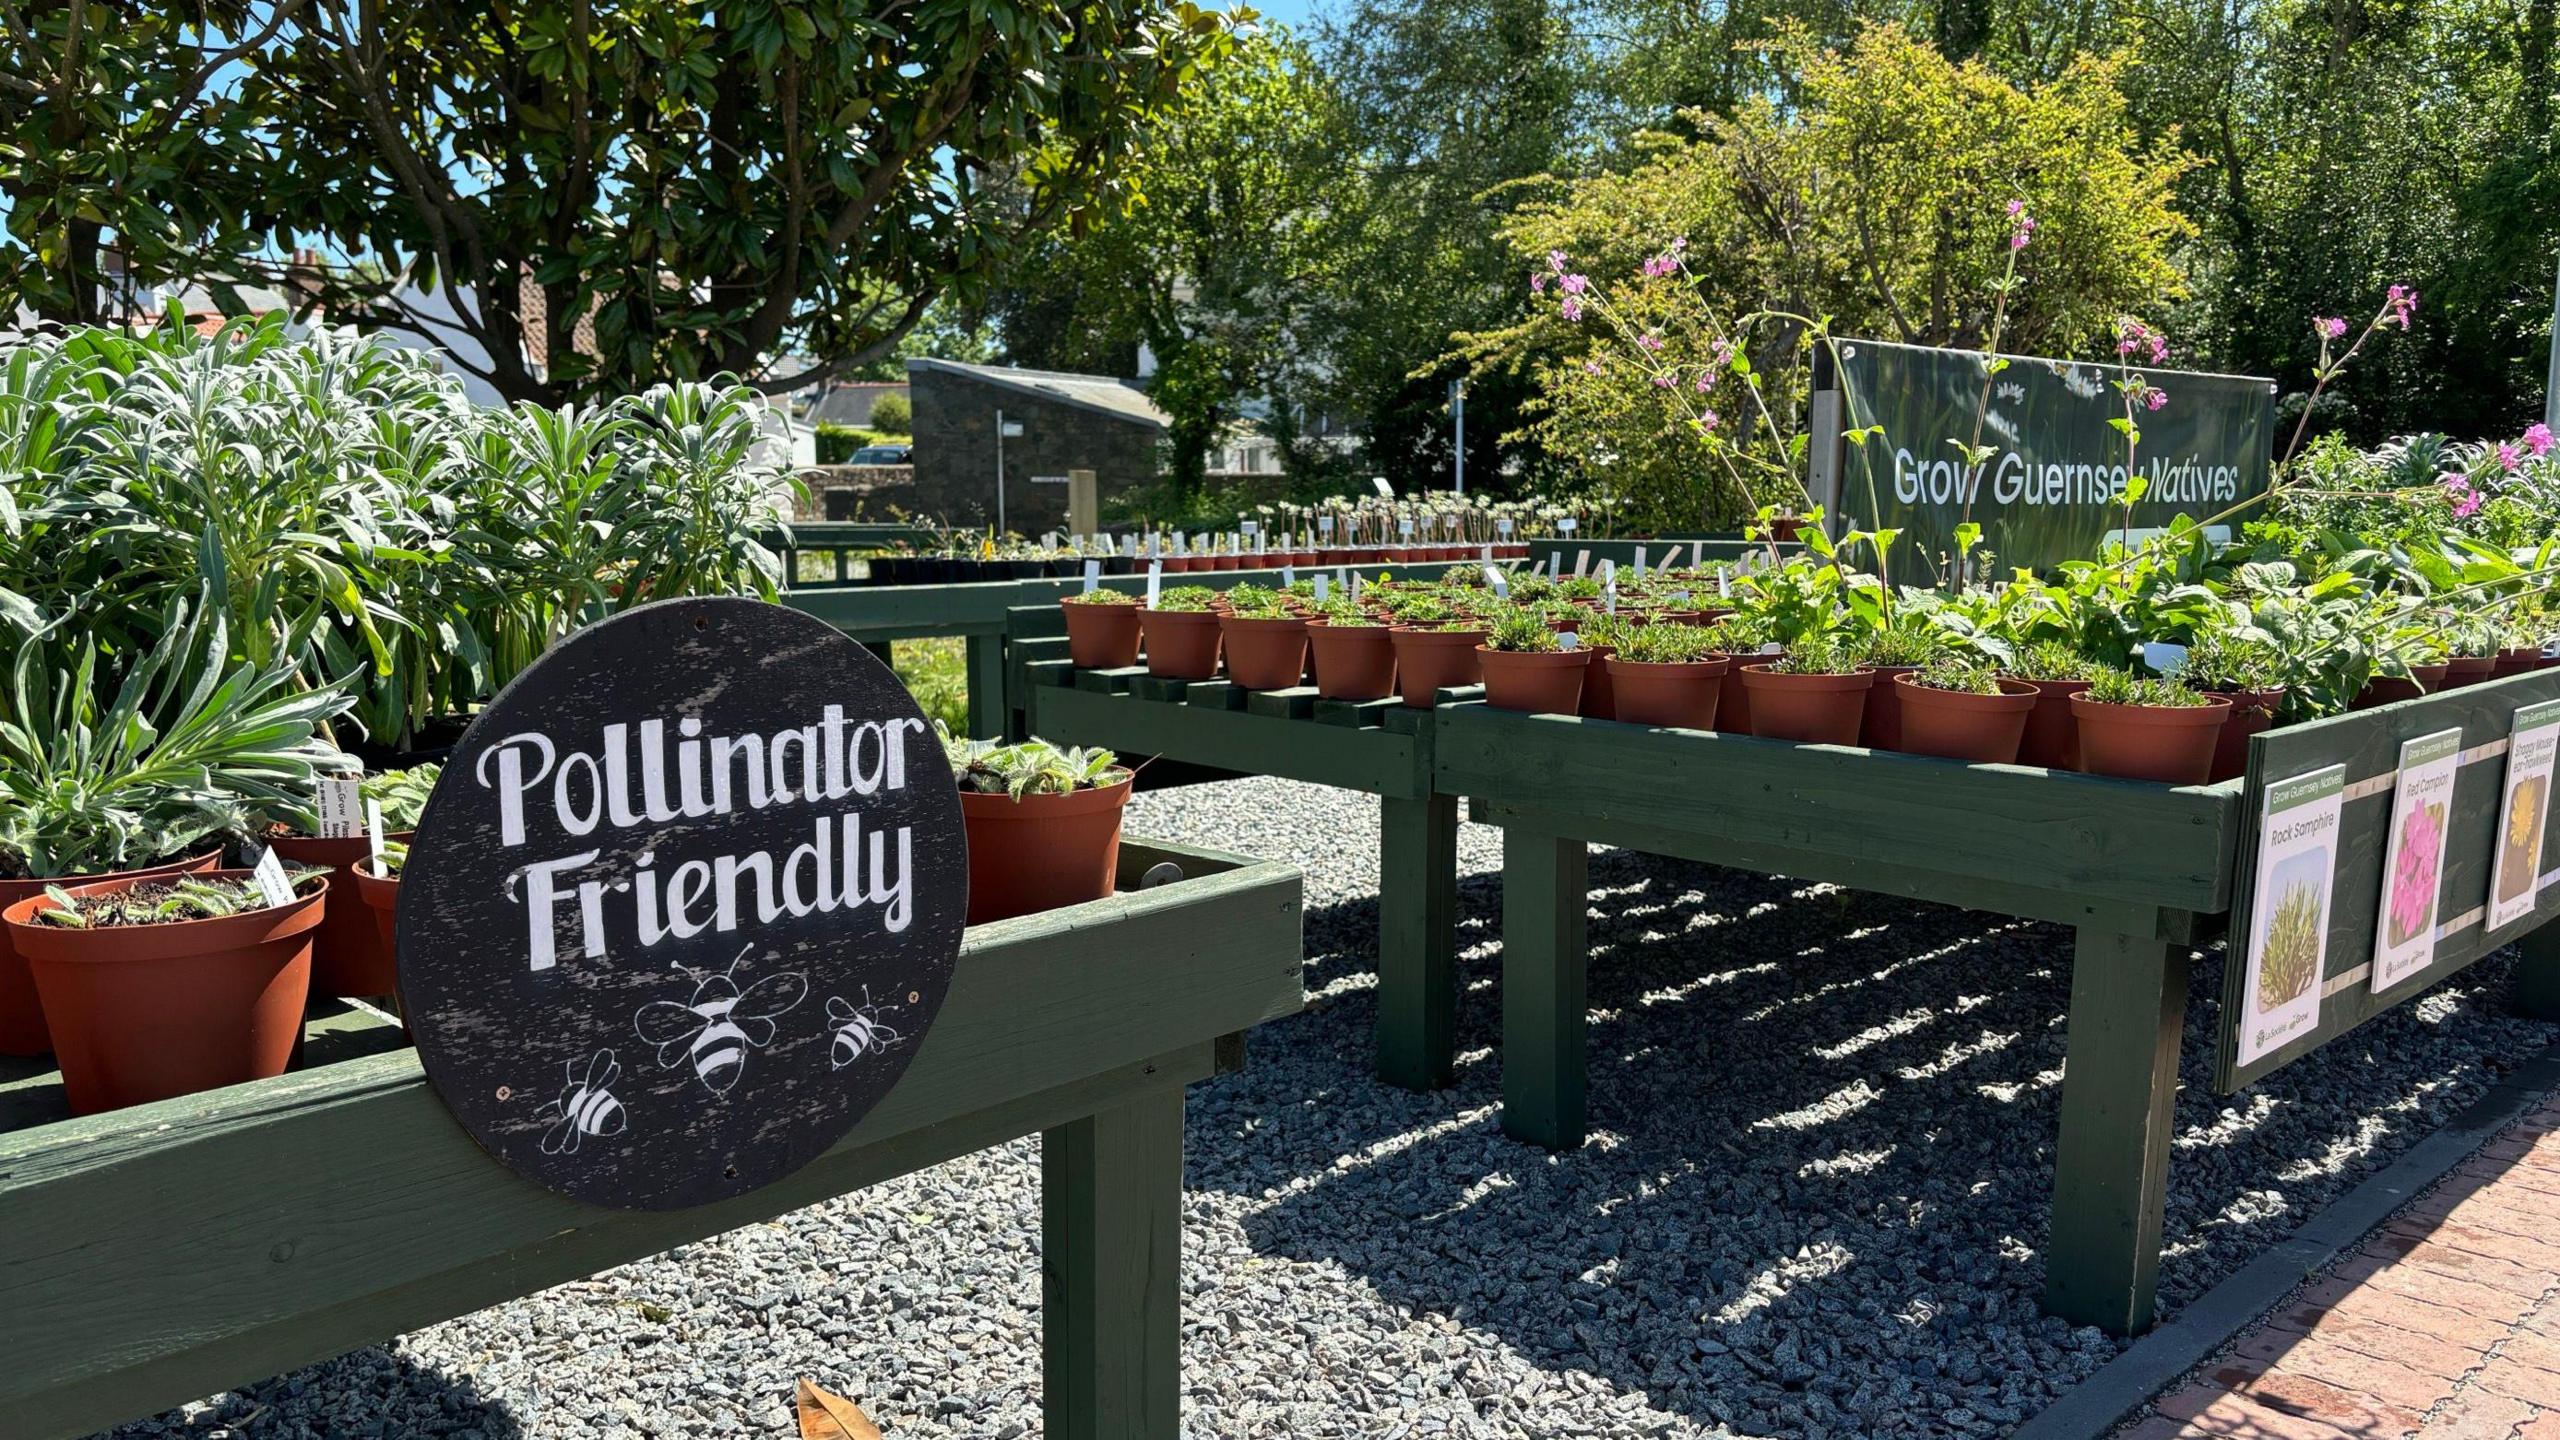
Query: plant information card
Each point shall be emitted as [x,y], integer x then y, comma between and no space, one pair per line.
[2289,933]
[2522,815]
[2404,939]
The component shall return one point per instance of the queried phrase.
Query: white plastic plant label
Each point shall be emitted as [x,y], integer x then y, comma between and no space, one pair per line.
[1155,582]
[270,877]
[1724,584]
[2404,933]
[2289,928]
[1405,526]
[1502,525]
[1494,577]
[1488,554]
[1288,575]
[1049,540]
[2164,656]
[338,805]
[1640,560]
[1324,524]
[1581,562]
[1569,640]
[1092,576]
[2515,877]
[1385,490]
[1609,585]
[373,833]
[1324,588]
[1250,527]
[1568,525]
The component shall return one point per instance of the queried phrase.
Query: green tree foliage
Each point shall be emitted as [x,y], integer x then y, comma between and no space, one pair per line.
[712,188]
[1874,199]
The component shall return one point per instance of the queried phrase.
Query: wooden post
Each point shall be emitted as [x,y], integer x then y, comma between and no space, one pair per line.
[1110,1273]
[2538,973]
[883,649]
[1417,940]
[1084,503]
[990,717]
[2111,1163]
[1545,950]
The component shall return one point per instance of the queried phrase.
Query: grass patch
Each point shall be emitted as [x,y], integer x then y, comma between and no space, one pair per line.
[936,672]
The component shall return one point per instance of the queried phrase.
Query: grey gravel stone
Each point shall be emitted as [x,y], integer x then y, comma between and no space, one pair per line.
[1812,1205]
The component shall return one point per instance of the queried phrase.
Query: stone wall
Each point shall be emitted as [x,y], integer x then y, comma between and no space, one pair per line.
[955,453]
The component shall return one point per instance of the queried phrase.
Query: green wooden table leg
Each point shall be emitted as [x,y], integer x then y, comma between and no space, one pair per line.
[1545,954]
[1417,940]
[2111,1164]
[885,649]
[1110,1273]
[2538,974]
[989,716]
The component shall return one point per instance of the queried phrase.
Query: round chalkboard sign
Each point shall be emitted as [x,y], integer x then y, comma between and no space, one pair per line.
[683,905]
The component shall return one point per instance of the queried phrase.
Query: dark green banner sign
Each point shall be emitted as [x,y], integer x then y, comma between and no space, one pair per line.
[2053,486]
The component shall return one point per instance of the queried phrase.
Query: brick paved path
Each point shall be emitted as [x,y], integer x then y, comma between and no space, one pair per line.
[2444,1324]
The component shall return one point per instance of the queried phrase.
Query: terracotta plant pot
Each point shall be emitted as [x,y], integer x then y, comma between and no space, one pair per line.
[1809,709]
[1684,696]
[2252,711]
[2172,744]
[1542,682]
[2517,662]
[1599,690]
[1978,729]
[1102,636]
[1883,726]
[348,958]
[1265,654]
[1429,661]
[148,1012]
[2053,732]
[1733,703]
[1181,644]
[1042,851]
[2391,689]
[1353,662]
[22,1029]
[2464,670]
[381,897]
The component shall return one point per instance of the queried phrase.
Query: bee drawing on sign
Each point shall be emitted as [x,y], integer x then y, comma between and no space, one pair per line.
[587,1107]
[714,1031]
[858,1029]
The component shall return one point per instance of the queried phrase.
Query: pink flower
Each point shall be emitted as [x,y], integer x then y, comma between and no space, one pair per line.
[1556,261]
[2154,399]
[1706,381]
[2537,439]
[1571,309]
[2399,303]
[1662,382]
[2509,457]
[2328,327]
[2021,224]
[1574,284]
[1591,367]
[1538,282]
[2466,501]
[1650,342]
[1659,266]
[1707,421]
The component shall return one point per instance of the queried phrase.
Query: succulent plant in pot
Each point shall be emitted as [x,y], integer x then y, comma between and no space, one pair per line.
[1815,693]
[2056,672]
[163,986]
[2138,728]
[2471,650]
[1668,674]
[348,957]
[1958,707]
[1265,640]
[1102,629]
[1043,823]
[1603,636]
[1181,633]
[110,776]
[1354,654]
[1529,665]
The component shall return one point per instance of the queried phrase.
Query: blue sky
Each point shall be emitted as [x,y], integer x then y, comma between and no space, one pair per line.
[1292,13]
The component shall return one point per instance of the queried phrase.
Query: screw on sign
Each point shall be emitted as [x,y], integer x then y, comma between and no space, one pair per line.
[683,906]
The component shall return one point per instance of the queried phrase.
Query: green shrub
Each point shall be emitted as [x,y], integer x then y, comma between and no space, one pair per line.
[893,413]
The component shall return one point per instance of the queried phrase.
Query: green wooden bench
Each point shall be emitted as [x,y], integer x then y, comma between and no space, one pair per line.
[156,1254]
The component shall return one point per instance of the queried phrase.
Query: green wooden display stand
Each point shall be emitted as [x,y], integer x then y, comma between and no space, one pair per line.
[156,1254]
[1378,746]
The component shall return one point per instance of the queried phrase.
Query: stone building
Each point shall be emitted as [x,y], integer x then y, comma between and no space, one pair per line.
[1060,422]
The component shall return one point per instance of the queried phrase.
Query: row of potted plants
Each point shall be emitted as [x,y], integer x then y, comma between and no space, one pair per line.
[2157,663]
[1066,560]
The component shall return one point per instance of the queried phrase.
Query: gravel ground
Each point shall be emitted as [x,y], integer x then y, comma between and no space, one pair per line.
[1812,1205]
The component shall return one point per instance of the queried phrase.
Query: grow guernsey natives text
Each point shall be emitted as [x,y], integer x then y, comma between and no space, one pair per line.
[818,765]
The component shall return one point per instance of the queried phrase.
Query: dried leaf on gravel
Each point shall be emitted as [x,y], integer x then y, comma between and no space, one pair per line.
[826,1416]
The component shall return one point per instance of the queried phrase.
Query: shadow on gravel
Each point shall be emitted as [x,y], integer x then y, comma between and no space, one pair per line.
[371,1392]
[1821,1158]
